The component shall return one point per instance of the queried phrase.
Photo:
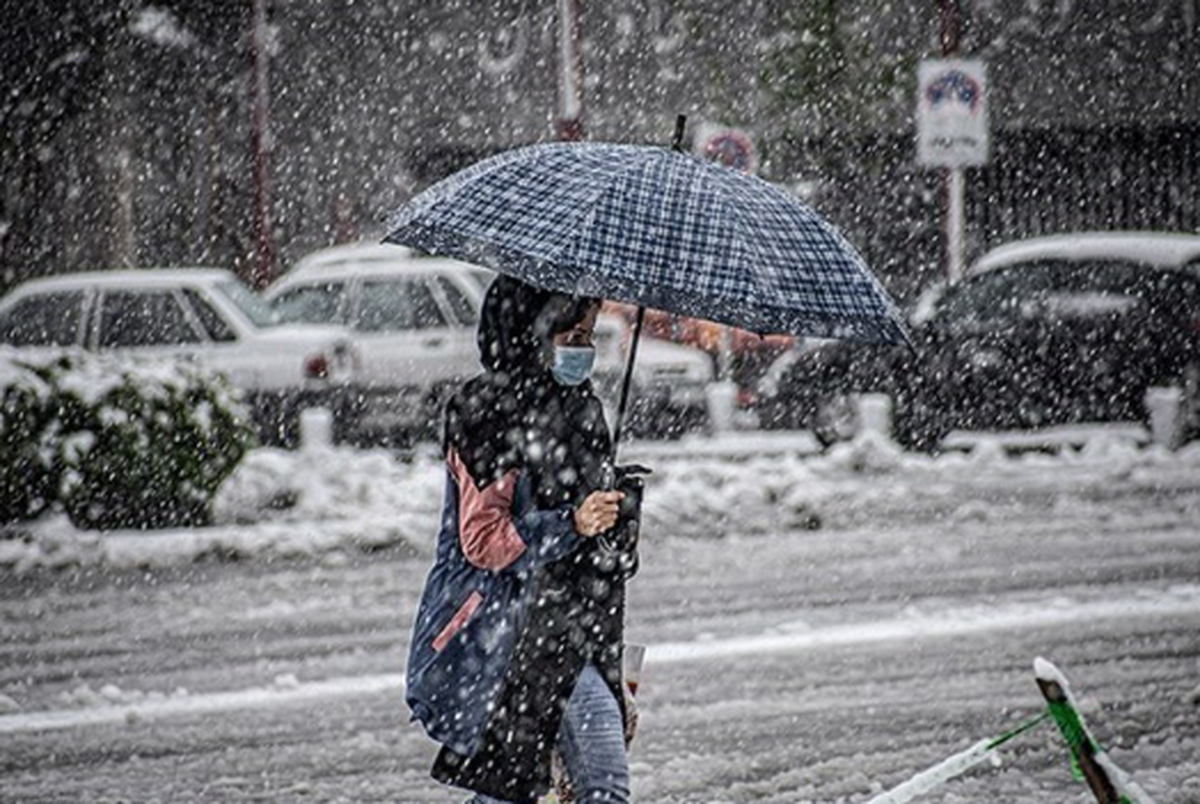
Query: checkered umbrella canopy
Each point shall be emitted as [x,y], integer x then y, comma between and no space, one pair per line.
[657,228]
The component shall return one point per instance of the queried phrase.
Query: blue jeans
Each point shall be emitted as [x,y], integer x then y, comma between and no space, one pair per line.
[591,741]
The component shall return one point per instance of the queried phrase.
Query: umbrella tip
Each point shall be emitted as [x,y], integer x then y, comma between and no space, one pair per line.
[680,124]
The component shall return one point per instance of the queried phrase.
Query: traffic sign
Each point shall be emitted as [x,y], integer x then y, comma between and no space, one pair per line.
[952,124]
[728,146]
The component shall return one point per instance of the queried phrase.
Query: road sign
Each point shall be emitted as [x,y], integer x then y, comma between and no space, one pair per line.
[728,146]
[952,126]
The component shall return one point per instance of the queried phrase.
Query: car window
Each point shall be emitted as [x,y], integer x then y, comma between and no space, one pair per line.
[481,277]
[253,306]
[1055,290]
[52,319]
[461,305]
[217,327]
[311,304]
[1095,289]
[152,318]
[390,305]
[987,301]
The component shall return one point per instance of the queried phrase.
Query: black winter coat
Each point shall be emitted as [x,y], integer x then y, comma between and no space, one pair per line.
[515,416]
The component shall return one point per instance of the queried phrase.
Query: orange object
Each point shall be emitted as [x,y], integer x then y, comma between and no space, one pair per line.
[698,332]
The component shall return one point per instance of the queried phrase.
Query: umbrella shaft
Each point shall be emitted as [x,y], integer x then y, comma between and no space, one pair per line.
[627,380]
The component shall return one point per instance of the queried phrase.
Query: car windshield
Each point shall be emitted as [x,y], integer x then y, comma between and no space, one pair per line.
[310,304]
[253,306]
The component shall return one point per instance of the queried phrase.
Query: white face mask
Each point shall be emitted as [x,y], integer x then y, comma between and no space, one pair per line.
[573,364]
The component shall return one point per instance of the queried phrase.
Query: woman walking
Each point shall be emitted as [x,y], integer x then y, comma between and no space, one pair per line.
[517,645]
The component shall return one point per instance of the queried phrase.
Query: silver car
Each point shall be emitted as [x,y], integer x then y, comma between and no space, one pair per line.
[668,392]
[202,314]
[413,320]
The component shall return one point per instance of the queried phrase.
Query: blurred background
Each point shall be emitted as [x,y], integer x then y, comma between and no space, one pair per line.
[247,133]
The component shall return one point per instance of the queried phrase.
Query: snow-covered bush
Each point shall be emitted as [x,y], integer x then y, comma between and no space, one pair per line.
[118,442]
[29,424]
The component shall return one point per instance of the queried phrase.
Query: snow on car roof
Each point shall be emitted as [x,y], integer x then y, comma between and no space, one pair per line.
[1159,249]
[369,258]
[129,277]
[355,252]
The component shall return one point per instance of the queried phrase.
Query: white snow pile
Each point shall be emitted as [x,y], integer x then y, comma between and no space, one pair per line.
[331,501]
[83,696]
[311,502]
[772,493]
[325,483]
[160,26]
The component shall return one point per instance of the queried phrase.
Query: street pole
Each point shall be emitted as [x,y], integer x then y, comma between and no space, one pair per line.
[118,122]
[955,223]
[953,184]
[949,36]
[263,270]
[570,76]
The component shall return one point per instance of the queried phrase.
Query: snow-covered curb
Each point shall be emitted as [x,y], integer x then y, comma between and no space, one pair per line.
[313,502]
[325,501]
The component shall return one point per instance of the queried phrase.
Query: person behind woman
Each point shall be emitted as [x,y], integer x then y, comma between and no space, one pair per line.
[517,644]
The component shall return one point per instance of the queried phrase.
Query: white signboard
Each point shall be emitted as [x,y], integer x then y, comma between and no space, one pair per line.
[952,128]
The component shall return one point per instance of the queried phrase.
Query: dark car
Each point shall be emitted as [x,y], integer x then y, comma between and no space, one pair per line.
[1051,331]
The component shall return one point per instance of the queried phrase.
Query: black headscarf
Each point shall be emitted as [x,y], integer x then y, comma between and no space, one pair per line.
[508,337]
[489,423]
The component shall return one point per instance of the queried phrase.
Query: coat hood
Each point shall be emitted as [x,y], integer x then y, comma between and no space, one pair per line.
[512,329]
[517,323]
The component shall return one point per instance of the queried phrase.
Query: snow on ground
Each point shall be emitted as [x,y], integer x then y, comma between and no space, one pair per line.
[820,627]
[84,705]
[327,501]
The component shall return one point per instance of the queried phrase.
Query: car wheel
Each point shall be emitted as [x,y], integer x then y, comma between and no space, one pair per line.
[667,423]
[347,411]
[696,420]
[836,419]
[1190,412]
[779,414]
[277,421]
[918,426]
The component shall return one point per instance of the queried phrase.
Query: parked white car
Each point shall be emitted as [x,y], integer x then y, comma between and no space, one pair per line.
[668,393]
[203,314]
[413,320]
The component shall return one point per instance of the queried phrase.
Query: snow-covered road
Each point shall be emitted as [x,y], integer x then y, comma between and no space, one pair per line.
[819,628]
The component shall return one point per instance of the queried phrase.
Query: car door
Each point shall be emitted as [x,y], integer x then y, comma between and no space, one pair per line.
[462,298]
[1098,339]
[977,366]
[223,348]
[406,337]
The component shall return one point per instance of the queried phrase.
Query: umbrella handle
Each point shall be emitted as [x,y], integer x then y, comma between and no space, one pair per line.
[627,381]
